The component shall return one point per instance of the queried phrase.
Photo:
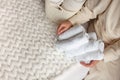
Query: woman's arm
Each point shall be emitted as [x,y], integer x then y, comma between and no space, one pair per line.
[90,10]
[112,52]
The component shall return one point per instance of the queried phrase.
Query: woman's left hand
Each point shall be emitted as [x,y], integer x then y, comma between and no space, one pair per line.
[91,64]
[64,26]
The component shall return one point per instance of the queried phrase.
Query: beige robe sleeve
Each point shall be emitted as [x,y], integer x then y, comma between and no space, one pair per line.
[90,10]
[112,52]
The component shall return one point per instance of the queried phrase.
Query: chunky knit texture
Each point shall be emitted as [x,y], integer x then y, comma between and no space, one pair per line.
[27,41]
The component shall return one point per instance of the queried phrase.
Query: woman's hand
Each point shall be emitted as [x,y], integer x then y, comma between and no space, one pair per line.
[63,27]
[91,64]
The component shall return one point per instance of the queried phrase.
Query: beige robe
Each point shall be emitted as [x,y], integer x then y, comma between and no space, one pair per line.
[105,16]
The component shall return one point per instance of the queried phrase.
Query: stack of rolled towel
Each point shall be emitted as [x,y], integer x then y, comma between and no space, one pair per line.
[76,43]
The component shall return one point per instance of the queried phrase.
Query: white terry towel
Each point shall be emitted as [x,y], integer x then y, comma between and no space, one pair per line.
[71,32]
[94,55]
[73,5]
[72,43]
[89,47]
[75,72]
[92,36]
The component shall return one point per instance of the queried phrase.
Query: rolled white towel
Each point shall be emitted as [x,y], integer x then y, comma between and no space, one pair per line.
[89,47]
[72,43]
[71,32]
[92,36]
[87,57]
[73,5]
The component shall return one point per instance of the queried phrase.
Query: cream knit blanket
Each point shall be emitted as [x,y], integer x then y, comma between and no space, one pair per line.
[27,42]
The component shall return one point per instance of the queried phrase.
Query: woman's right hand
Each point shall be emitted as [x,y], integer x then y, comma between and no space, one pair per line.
[65,25]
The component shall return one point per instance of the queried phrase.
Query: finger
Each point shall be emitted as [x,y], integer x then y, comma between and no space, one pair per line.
[60,29]
[91,64]
[85,64]
[63,30]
